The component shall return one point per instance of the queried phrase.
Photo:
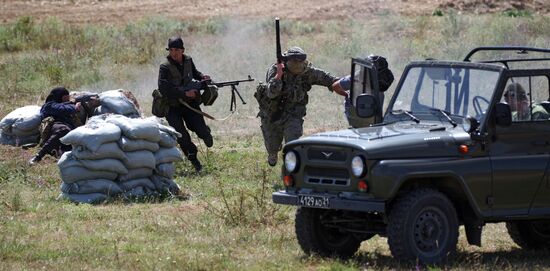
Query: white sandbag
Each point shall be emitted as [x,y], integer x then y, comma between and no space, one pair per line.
[76,173]
[17,140]
[107,150]
[140,159]
[24,118]
[114,101]
[143,182]
[169,130]
[128,145]
[167,140]
[165,185]
[24,133]
[92,135]
[136,173]
[109,164]
[106,187]
[168,155]
[166,170]
[136,128]
[92,198]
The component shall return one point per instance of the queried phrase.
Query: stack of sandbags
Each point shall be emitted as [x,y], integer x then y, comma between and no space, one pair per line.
[119,102]
[20,126]
[118,156]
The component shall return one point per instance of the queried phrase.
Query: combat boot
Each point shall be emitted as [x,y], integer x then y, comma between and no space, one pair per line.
[272,159]
[34,160]
[209,141]
[195,162]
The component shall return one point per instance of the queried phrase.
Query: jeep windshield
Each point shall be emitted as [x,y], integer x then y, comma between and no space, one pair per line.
[444,92]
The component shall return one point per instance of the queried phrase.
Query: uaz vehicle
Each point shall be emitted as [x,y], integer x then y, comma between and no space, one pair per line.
[451,149]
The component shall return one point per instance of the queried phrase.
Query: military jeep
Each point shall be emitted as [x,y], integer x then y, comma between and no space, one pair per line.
[449,150]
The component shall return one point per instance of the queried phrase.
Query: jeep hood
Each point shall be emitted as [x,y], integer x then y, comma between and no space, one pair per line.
[394,141]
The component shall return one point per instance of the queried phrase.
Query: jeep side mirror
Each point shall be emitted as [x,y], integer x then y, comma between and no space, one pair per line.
[503,114]
[366,106]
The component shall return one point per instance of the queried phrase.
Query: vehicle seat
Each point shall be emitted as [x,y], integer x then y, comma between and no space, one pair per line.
[546,105]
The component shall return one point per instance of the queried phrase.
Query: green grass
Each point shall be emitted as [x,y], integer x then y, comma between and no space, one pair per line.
[228,222]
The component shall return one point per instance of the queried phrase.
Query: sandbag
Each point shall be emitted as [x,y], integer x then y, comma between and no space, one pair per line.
[168,155]
[167,140]
[26,118]
[114,101]
[107,150]
[130,184]
[146,129]
[128,145]
[140,192]
[111,165]
[165,185]
[136,173]
[168,129]
[166,170]
[92,198]
[102,186]
[92,135]
[140,159]
[77,173]
[14,140]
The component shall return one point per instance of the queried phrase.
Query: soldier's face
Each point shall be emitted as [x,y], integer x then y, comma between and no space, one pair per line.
[65,98]
[296,66]
[176,54]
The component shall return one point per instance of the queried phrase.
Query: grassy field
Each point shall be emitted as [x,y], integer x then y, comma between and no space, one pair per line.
[228,221]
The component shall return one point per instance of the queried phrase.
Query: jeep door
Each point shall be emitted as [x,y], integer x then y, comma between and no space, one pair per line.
[520,152]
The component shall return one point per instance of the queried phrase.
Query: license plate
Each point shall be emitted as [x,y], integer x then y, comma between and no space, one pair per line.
[314,201]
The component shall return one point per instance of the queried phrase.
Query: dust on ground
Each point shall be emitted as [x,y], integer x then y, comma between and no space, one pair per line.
[123,11]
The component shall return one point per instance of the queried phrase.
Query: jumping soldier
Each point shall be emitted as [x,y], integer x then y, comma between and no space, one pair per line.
[174,74]
[287,89]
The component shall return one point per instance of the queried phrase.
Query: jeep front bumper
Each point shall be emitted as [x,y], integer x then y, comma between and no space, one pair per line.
[328,201]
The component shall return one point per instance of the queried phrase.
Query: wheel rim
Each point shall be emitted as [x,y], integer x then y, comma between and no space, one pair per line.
[431,231]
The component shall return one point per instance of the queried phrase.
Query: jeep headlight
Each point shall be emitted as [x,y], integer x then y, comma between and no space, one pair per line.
[291,161]
[358,166]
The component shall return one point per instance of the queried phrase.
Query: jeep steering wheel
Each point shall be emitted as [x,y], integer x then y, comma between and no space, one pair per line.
[476,101]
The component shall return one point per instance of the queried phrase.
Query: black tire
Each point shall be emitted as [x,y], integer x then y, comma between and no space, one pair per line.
[315,238]
[530,234]
[423,225]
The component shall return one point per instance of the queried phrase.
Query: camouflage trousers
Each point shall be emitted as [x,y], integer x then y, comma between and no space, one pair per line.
[289,128]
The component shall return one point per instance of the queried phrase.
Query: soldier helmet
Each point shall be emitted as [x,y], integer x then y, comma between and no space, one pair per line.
[295,53]
[175,42]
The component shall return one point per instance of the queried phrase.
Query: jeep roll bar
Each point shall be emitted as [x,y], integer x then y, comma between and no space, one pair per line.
[523,50]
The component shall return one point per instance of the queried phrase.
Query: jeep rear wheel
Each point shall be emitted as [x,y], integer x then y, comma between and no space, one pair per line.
[530,234]
[316,237]
[423,225]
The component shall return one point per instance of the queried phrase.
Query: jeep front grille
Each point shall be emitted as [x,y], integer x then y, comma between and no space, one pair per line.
[327,176]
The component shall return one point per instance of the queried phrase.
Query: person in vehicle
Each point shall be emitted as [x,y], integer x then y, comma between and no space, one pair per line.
[516,96]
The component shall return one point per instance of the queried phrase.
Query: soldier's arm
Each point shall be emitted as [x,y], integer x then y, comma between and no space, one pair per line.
[274,85]
[321,78]
[197,75]
[166,88]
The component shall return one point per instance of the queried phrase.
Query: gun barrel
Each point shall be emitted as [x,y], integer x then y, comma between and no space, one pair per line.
[278,41]
[232,83]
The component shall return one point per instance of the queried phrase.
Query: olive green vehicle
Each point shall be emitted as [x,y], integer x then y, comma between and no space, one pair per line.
[446,152]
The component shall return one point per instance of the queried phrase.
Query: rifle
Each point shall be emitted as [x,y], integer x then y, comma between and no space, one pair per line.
[202,85]
[280,59]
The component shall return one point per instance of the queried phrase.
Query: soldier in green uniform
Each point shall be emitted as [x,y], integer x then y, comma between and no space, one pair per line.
[287,89]
[516,97]
[175,74]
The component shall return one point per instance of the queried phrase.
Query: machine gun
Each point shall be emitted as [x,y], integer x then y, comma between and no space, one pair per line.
[233,84]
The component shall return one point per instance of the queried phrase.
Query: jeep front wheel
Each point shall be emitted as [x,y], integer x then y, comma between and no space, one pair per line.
[422,225]
[530,234]
[315,236]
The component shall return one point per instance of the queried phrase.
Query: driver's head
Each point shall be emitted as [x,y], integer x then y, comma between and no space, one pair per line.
[515,96]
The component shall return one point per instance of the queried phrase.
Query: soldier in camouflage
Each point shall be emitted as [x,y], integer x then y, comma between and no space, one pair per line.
[516,96]
[288,84]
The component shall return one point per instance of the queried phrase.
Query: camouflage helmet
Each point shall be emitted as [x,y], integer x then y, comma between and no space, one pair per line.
[295,52]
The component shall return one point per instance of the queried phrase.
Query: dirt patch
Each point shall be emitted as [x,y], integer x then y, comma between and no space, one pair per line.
[123,11]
